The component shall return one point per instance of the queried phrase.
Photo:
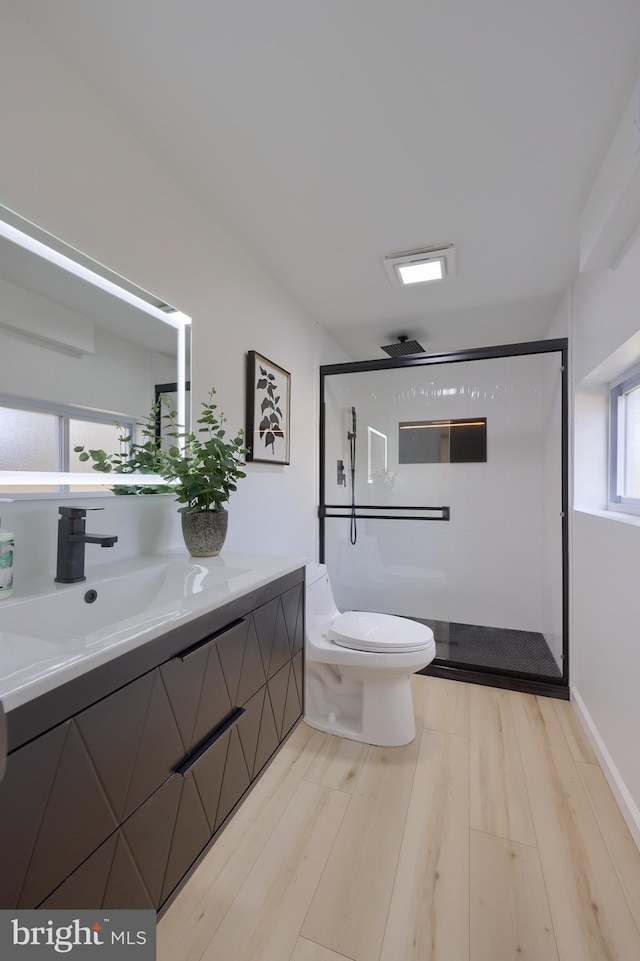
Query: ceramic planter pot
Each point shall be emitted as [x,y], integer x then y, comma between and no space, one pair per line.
[204,532]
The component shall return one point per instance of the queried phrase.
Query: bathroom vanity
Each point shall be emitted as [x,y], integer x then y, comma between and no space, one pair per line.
[132,741]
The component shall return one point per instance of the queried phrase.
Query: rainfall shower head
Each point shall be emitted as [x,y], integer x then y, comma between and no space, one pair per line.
[403,347]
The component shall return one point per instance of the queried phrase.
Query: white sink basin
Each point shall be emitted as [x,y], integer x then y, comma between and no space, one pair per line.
[67,612]
[51,633]
[107,603]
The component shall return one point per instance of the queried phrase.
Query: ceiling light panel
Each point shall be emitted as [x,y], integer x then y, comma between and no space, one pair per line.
[421,271]
[420,266]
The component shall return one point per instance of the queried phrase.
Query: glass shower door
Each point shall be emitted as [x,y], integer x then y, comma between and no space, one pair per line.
[447,505]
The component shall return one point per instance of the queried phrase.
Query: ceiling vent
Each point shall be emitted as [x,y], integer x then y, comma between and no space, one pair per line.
[421,266]
[403,347]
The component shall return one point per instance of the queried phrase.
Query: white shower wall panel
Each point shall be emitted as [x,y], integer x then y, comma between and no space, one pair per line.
[410,579]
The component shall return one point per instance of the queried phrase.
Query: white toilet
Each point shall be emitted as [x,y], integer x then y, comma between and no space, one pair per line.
[358,667]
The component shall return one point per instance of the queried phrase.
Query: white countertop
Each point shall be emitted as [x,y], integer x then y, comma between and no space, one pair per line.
[49,634]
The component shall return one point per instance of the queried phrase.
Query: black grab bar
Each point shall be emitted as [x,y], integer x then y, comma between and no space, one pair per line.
[324,509]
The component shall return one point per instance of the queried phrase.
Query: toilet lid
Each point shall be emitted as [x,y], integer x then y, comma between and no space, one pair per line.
[366,631]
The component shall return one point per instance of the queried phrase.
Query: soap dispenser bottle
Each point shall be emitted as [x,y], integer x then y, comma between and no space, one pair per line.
[6,563]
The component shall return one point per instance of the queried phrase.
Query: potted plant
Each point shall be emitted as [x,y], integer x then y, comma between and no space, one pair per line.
[202,472]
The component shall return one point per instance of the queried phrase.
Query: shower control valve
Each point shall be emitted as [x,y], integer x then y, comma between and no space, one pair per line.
[341,476]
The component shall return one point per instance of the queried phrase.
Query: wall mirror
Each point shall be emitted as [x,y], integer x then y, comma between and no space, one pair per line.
[81,349]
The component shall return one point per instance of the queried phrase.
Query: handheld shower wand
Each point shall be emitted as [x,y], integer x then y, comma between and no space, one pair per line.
[351,436]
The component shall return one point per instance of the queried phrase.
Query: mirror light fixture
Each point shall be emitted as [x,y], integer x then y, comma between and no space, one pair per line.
[421,266]
[47,251]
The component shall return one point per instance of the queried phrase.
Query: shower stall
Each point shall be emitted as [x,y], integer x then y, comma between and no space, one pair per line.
[443,498]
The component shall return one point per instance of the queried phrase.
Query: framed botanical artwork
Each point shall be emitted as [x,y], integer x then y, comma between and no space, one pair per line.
[268,410]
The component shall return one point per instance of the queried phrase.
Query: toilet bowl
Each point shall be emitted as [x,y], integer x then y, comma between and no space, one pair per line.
[358,667]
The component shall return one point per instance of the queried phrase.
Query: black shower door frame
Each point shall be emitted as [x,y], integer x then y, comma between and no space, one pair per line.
[476,674]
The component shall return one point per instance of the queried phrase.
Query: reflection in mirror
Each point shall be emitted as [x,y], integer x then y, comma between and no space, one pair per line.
[377,456]
[83,350]
[442,441]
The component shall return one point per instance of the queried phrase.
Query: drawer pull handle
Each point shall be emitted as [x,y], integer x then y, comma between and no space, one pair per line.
[189,761]
[183,655]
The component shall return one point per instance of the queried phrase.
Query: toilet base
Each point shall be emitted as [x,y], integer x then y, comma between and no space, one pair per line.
[370,709]
[387,712]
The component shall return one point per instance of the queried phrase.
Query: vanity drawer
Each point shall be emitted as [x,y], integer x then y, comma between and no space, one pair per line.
[53,815]
[207,681]
[159,719]
[24,793]
[133,741]
[108,878]
[128,869]
[141,863]
[211,786]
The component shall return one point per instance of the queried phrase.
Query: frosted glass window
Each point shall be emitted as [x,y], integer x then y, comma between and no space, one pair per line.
[28,440]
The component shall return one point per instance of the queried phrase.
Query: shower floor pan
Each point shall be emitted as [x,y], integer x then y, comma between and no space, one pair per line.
[493,647]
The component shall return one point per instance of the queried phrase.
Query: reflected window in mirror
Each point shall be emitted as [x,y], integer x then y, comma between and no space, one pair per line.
[28,440]
[93,435]
[34,439]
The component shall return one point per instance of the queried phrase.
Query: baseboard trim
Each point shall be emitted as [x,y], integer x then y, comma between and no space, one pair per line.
[627,805]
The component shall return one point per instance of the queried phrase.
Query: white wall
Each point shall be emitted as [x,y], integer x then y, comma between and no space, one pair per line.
[69,165]
[143,525]
[559,326]
[605,546]
[486,566]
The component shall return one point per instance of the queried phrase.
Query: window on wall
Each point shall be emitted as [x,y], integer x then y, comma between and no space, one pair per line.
[38,437]
[625,443]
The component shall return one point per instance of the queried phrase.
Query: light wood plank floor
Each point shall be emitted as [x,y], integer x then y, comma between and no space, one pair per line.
[493,837]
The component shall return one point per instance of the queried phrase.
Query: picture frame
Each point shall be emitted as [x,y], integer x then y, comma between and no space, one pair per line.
[169,392]
[268,411]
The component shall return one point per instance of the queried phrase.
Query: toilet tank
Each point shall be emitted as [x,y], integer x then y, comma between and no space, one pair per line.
[319,596]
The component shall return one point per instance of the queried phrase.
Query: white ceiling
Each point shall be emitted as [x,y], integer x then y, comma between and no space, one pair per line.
[328,133]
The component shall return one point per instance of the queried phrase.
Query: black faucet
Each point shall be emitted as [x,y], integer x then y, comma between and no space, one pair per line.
[71,541]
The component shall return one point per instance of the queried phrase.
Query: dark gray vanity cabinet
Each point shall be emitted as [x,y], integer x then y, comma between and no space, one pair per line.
[112,806]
